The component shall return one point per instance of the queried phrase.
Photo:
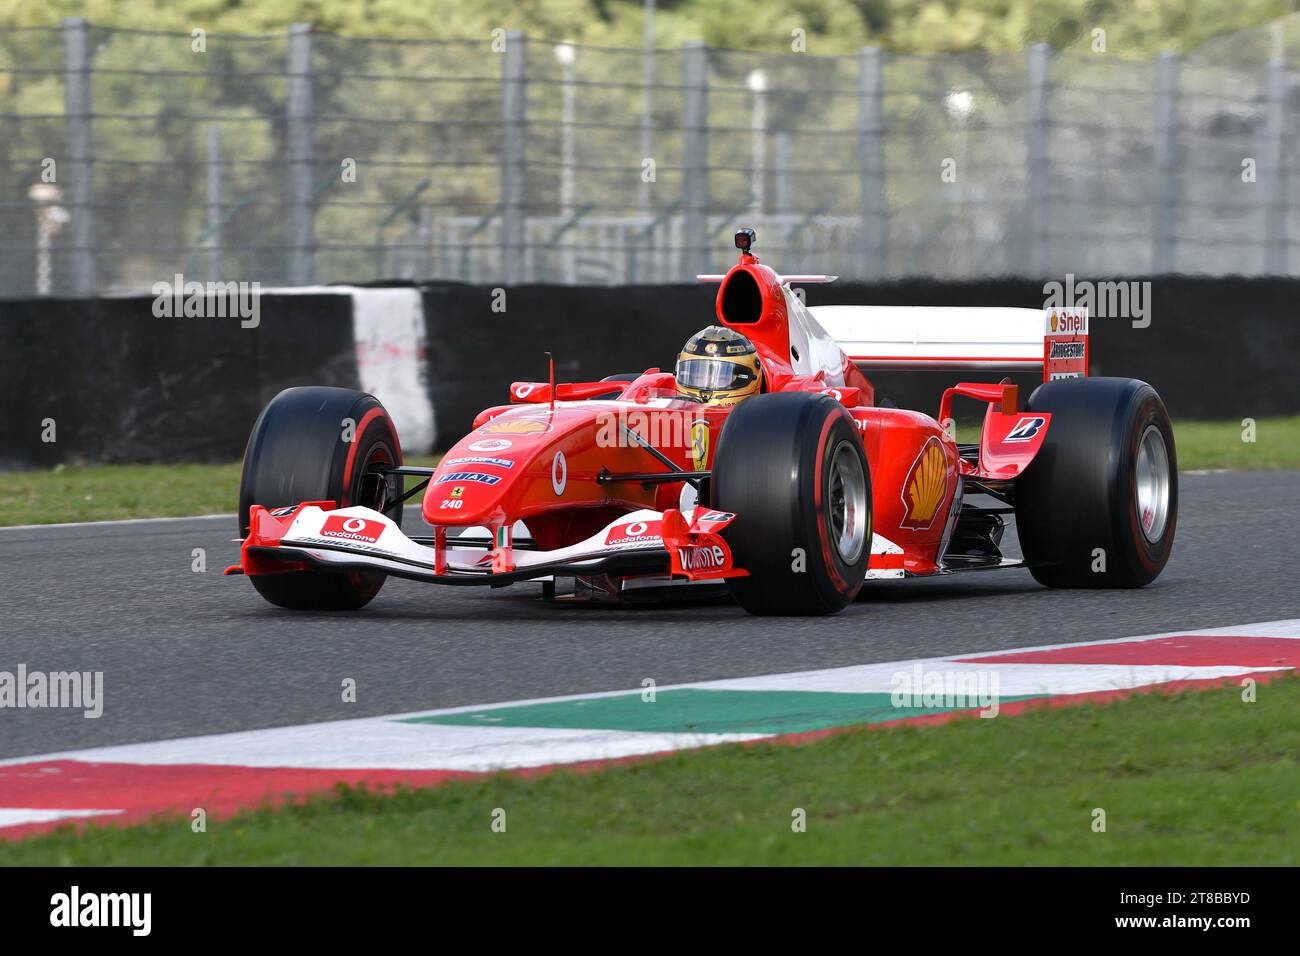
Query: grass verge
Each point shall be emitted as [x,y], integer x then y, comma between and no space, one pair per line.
[105,492]
[1276,444]
[1210,445]
[1197,778]
[108,492]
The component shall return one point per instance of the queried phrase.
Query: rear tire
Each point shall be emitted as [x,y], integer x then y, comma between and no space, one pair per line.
[298,452]
[1098,505]
[792,468]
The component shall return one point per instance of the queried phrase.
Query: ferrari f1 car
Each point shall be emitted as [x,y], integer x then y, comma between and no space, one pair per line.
[790,499]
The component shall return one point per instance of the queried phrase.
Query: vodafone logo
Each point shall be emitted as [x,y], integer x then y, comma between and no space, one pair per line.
[352,529]
[559,473]
[701,558]
[638,532]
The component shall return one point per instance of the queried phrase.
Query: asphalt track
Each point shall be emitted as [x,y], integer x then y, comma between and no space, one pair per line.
[185,653]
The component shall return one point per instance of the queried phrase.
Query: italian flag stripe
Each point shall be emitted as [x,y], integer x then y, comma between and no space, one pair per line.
[226,772]
[693,710]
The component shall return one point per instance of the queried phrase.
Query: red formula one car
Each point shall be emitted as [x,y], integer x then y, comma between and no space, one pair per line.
[790,498]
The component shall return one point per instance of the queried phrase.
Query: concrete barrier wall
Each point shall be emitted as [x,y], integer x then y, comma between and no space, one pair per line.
[115,382]
[1221,348]
[121,384]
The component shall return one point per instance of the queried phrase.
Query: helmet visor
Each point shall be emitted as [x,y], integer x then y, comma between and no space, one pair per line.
[713,375]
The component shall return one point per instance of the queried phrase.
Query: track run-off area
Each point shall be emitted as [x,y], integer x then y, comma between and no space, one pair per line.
[212,697]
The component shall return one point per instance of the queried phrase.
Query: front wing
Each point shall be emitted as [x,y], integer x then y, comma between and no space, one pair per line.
[316,536]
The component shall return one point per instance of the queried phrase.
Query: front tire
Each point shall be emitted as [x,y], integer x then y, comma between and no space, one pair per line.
[1098,505]
[792,468]
[321,444]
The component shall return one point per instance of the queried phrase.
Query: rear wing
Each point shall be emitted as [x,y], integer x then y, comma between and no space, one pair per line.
[940,338]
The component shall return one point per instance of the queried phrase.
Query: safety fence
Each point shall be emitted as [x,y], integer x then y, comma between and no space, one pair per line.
[130,156]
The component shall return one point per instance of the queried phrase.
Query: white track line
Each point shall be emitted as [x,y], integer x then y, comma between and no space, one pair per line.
[123,521]
[18,816]
[367,738]
[113,522]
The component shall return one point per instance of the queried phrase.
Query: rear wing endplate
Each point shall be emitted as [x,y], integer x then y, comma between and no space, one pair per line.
[942,338]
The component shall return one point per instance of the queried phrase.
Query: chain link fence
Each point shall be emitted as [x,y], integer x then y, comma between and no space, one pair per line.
[128,157]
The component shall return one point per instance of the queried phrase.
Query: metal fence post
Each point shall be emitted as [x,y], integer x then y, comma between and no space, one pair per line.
[298,116]
[79,145]
[782,158]
[647,100]
[695,155]
[514,146]
[214,202]
[1275,208]
[1164,191]
[1037,171]
[873,252]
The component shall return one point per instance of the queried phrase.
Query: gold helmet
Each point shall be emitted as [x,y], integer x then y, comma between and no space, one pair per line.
[718,367]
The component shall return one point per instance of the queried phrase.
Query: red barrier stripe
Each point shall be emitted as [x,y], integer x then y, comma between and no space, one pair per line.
[141,791]
[1217,651]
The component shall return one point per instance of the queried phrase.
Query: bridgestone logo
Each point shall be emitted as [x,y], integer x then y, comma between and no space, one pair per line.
[1067,350]
[702,558]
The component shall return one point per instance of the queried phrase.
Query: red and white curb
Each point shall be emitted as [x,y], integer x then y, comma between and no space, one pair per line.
[226,772]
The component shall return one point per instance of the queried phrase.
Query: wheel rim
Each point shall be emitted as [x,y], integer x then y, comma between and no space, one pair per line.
[375,491]
[847,517]
[1152,484]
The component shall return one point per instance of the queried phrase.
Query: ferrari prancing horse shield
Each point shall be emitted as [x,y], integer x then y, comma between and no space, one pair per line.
[700,445]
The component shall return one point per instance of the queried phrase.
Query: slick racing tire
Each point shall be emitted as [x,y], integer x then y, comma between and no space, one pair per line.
[321,444]
[791,467]
[1098,505]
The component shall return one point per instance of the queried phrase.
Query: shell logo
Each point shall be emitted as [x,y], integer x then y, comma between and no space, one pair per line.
[925,488]
[514,426]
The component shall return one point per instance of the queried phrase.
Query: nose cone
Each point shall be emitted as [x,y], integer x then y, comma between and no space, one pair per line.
[488,468]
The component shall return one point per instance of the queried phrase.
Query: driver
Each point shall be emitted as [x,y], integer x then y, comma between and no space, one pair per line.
[718,366]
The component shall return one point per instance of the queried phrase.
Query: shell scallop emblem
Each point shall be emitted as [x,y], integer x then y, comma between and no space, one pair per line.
[925,488]
[515,426]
